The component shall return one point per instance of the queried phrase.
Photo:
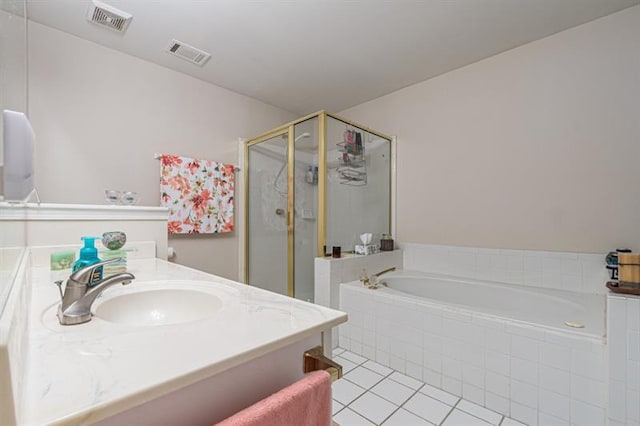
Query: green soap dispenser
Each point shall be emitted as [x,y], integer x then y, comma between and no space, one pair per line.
[88,257]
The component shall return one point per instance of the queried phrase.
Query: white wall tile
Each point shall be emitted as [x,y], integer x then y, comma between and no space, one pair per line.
[555,380]
[451,385]
[497,362]
[617,400]
[588,364]
[432,360]
[633,375]
[473,393]
[571,271]
[589,391]
[545,419]
[497,384]
[617,338]
[473,375]
[524,414]
[497,341]
[524,393]
[633,345]
[414,370]
[633,313]
[555,356]
[382,357]
[525,348]
[496,403]
[452,368]
[555,404]
[633,406]
[586,415]
[525,371]
[432,377]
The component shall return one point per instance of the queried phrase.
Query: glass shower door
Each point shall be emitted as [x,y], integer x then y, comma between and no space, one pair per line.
[305,235]
[268,226]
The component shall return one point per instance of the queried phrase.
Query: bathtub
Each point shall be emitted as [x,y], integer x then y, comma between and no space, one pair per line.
[556,309]
[505,347]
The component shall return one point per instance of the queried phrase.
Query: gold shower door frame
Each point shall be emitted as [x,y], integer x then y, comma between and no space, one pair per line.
[321,223]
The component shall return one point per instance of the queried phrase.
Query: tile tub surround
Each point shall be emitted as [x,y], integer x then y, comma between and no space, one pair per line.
[535,375]
[372,394]
[579,272]
[330,273]
[84,373]
[623,331]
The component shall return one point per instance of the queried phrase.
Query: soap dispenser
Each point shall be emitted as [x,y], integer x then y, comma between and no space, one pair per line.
[88,257]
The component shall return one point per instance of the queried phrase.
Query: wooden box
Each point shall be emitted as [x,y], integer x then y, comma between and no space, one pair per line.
[629,268]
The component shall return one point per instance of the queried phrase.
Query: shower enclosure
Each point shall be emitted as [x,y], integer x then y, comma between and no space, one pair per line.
[315,183]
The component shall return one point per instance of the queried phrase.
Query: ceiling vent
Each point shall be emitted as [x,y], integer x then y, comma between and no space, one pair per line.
[107,16]
[188,53]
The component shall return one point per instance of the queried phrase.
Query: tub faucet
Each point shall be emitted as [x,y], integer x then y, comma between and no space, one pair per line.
[385,271]
[80,292]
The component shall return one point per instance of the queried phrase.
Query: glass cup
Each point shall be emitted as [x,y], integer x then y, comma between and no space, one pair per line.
[112,196]
[129,198]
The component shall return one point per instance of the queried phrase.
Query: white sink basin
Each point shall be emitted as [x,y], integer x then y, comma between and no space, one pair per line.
[158,307]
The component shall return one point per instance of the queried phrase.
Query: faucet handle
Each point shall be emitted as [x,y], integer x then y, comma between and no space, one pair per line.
[84,275]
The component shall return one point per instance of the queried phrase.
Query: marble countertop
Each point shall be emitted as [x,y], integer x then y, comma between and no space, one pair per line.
[84,373]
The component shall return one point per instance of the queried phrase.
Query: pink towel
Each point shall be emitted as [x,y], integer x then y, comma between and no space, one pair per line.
[307,402]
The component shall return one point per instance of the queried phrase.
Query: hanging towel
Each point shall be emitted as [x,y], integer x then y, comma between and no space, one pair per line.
[198,193]
[307,402]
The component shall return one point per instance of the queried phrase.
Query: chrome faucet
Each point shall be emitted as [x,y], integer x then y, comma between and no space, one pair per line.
[80,292]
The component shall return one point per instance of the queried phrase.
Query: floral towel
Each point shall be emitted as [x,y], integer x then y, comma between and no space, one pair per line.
[198,193]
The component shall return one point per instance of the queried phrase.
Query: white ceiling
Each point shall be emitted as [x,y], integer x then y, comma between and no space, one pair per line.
[307,55]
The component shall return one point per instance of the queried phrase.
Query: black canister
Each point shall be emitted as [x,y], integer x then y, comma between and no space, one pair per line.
[386,243]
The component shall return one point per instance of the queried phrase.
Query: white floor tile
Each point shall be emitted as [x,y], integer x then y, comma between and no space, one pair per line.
[460,418]
[337,351]
[510,422]
[427,408]
[393,391]
[363,377]
[346,364]
[481,412]
[406,380]
[373,408]
[344,391]
[378,368]
[439,394]
[353,357]
[403,417]
[347,417]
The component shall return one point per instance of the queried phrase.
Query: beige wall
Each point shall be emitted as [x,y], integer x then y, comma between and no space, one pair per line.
[535,148]
[100,115]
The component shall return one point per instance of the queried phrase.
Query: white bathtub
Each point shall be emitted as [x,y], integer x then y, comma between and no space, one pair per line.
[534,306]
[505,347]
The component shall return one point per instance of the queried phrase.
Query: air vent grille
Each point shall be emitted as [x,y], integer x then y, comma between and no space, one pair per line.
[188,53]
[107,16]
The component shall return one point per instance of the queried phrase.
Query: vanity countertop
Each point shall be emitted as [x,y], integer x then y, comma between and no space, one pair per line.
[84,373]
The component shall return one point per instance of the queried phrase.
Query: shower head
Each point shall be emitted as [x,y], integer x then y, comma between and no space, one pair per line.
[304,135]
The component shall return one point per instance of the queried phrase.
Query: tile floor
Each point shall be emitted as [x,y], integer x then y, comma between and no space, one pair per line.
[372,394]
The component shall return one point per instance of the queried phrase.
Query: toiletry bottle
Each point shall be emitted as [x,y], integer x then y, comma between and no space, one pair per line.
[88,257]
[309,177]
[315,175]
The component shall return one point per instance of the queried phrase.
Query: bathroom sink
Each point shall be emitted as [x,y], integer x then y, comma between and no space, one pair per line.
[158,307]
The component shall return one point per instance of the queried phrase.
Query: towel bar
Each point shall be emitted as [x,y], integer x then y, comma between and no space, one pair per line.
[314,359]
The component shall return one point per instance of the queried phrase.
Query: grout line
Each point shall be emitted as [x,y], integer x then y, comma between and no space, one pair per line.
[367,390]
[450,411]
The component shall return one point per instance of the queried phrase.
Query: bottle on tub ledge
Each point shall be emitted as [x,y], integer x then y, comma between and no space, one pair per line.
[386,243]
